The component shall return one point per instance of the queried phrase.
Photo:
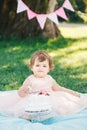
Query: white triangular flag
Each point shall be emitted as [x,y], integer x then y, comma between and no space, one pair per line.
[41,18]
[53,17]
[21,6]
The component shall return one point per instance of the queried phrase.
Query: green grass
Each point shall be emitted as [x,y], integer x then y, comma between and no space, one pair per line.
[69,54]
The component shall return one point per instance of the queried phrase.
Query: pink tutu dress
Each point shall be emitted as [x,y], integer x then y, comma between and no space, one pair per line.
[62,103]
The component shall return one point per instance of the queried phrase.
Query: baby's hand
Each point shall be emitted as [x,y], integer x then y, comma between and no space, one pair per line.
[76,94]
[23,91]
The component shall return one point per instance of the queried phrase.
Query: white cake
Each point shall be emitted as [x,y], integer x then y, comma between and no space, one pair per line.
[38,104]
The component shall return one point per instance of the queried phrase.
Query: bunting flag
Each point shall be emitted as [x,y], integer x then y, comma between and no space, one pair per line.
[31,14]
[21,6]
[68,5]
[60,12]
[41,18]
[53,17]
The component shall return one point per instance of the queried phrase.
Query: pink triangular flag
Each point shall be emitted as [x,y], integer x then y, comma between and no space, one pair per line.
[68,5]
[41,18]
[31,14]
[21,6]
[53,17]
[60,12]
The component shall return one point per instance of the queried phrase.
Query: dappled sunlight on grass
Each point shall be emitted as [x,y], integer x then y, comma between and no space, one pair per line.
[81,76]
[26,61]
[4,66]
[74,55]
[16,48]
[12,85]
[53,54]
[73,30]
[74,59]
[69,54]
[78,45]
[70,58]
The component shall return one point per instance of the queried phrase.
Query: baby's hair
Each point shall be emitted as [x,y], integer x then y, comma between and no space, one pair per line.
[42,56]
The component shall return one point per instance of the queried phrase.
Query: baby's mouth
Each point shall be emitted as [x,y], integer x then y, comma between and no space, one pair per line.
[40,71]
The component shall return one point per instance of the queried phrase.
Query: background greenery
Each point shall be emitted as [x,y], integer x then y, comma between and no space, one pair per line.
[69,54]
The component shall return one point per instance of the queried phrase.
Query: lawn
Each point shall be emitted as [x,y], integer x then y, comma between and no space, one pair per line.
[69,54]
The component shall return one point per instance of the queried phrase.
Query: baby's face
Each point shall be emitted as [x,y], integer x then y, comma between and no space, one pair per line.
[40,69]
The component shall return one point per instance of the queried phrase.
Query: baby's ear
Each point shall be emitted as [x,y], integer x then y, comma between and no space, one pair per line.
[30,67]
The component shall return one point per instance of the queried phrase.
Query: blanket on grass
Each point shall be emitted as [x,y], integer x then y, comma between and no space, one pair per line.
[77,121]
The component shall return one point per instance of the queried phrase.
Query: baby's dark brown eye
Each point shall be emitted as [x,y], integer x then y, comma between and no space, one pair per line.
[37,65]
[44,66]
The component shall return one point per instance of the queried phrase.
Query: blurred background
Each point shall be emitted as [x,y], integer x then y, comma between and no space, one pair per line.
[66,43]
[15,24]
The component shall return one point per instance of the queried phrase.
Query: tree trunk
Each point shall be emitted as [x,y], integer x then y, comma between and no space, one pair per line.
[15,24]
[85,2]
[51,30]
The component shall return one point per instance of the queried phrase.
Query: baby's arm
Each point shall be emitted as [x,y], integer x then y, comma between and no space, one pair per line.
[24,89]
[57,87]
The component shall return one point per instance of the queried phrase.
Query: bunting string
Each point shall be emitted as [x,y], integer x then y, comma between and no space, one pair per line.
[41,18]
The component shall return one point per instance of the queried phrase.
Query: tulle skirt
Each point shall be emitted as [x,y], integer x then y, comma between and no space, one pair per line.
[62,104]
